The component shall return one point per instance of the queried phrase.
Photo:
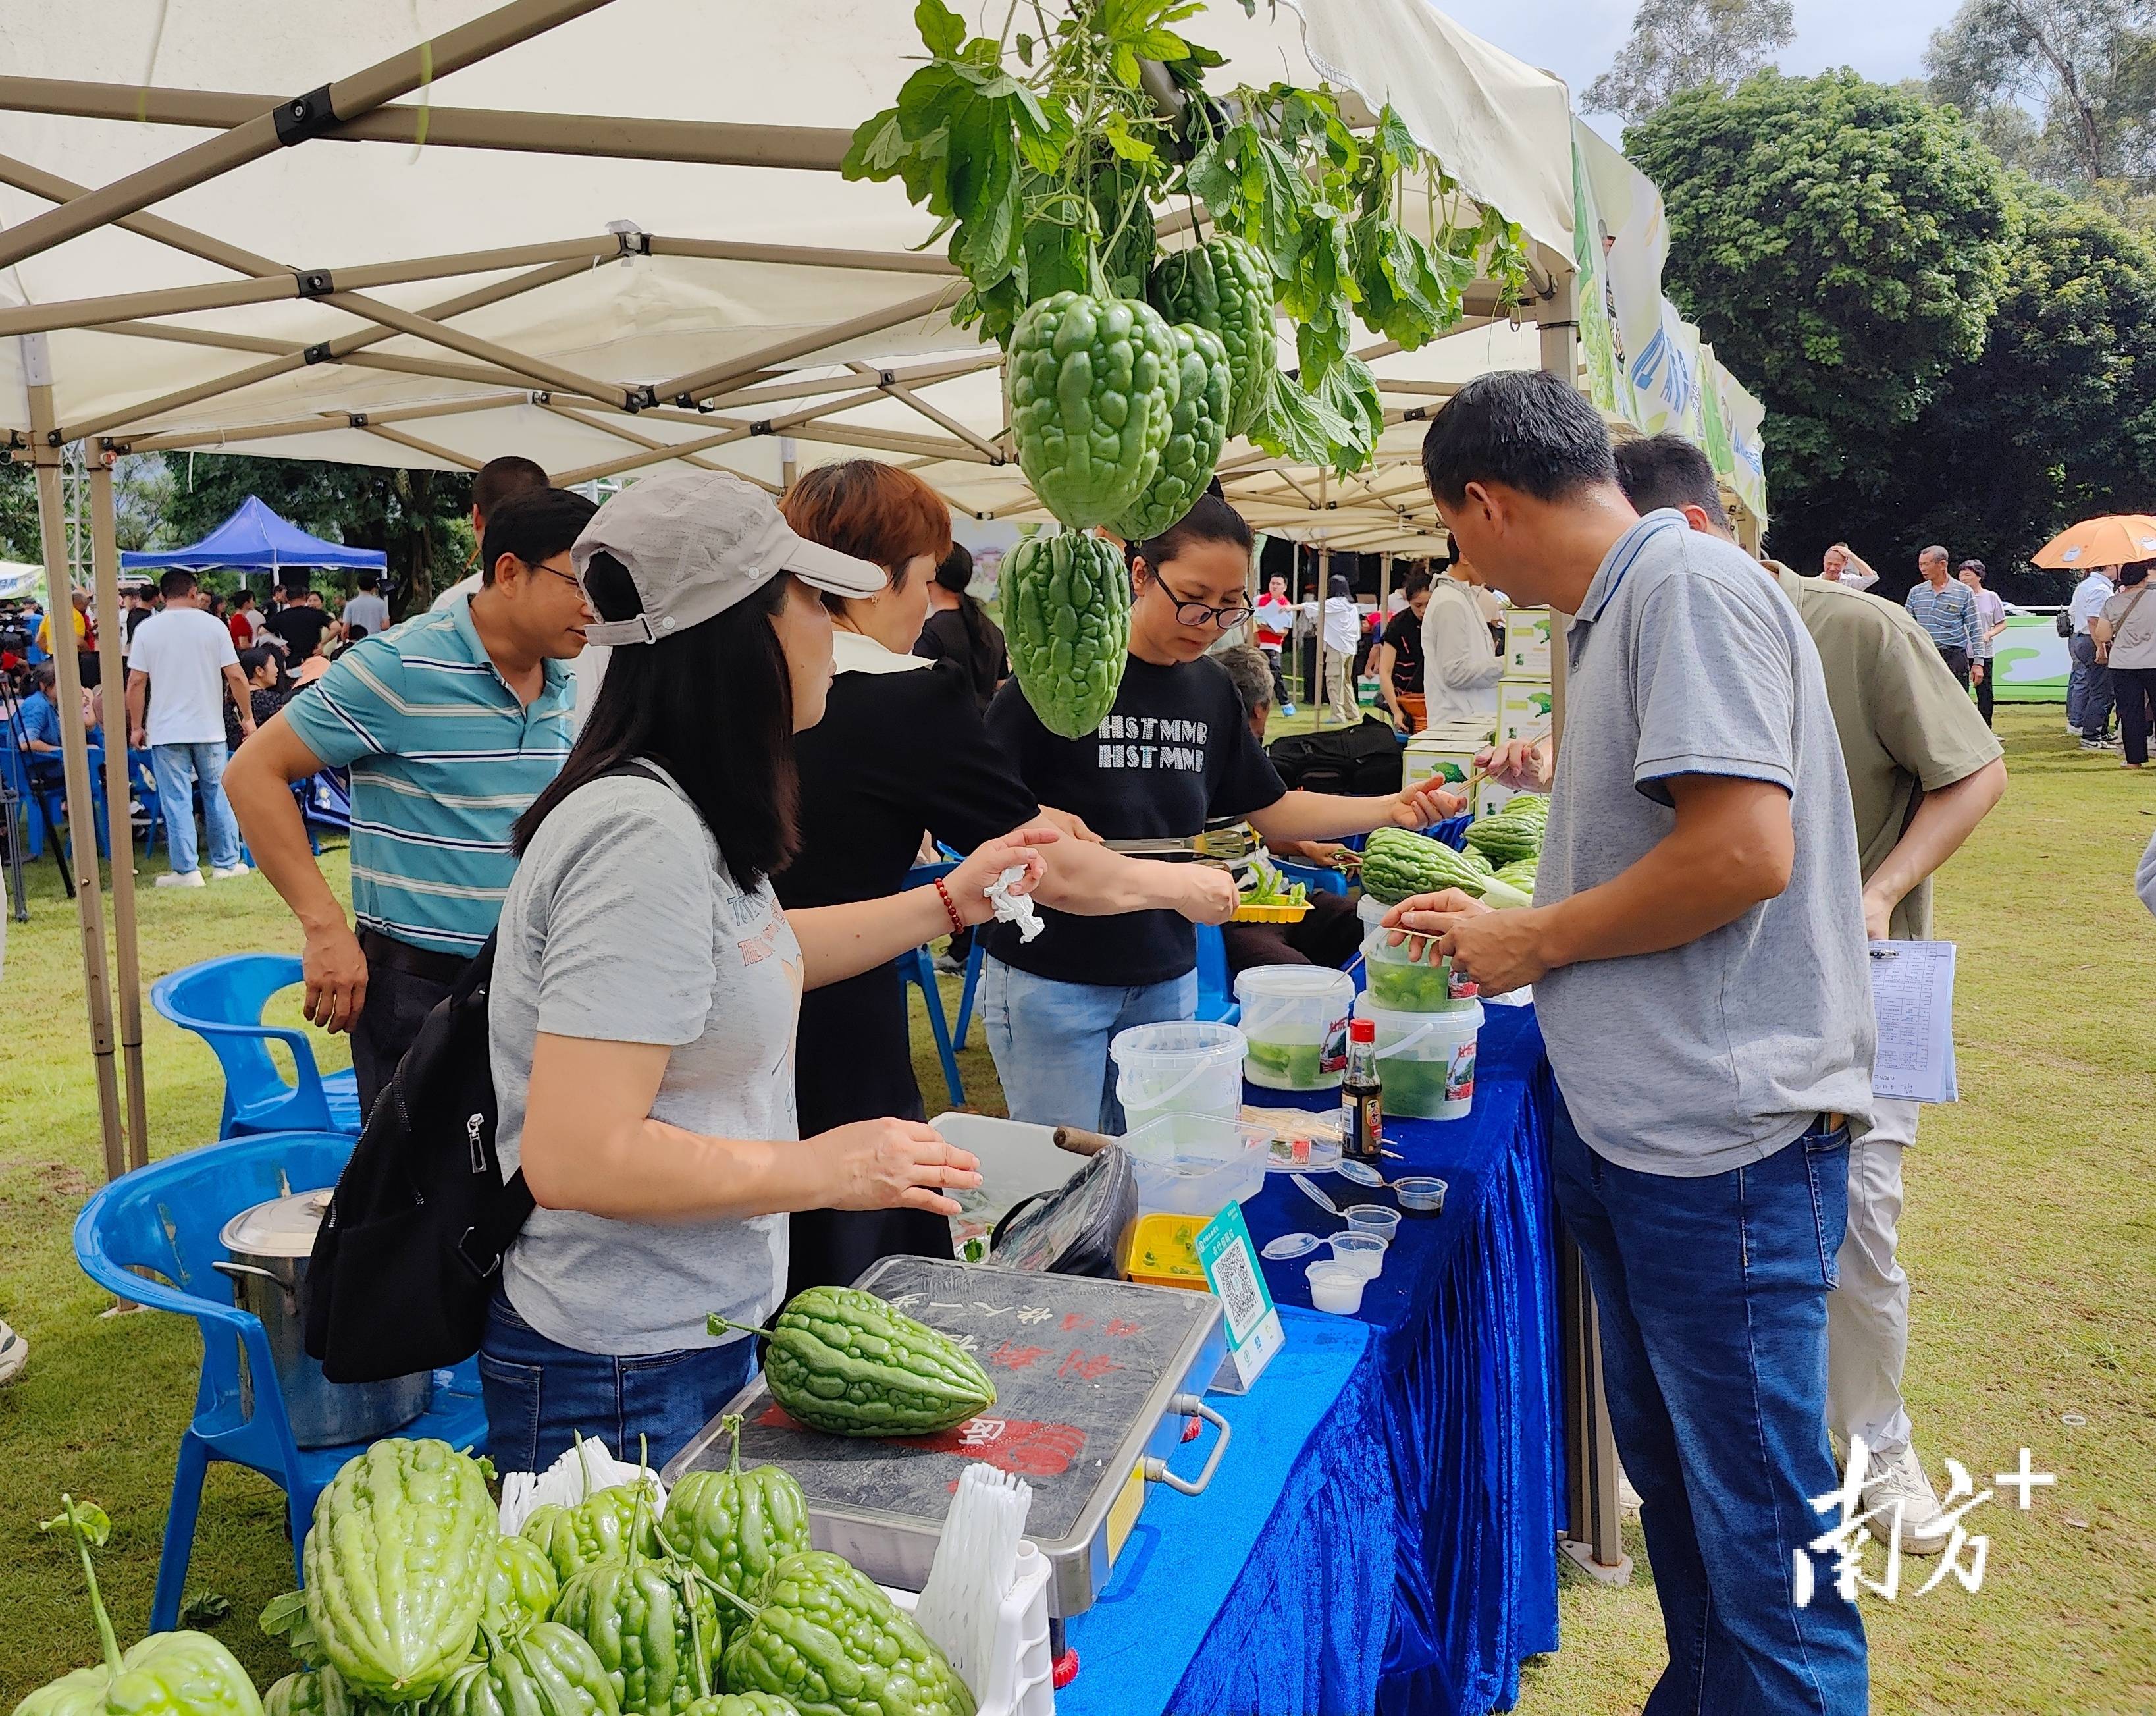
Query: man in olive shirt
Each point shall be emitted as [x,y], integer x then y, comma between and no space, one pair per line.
[1923,771]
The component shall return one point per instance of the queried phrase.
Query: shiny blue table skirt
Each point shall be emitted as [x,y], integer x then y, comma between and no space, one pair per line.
[1382,1532]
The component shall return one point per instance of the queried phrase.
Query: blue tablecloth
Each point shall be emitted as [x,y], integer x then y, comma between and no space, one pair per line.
[1428,1427]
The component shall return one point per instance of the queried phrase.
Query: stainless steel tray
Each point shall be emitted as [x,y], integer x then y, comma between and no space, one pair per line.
[1095,1380]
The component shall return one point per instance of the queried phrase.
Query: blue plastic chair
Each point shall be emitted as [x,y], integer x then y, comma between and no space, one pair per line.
[1317,878]
[143,781]
[43,791]
[1216,993]
[166,1218]
[221,1000]
[917,967]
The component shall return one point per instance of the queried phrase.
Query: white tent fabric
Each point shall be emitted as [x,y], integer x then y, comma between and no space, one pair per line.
[623,320]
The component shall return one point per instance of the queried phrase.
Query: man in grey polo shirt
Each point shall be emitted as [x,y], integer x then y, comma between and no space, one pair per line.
[1697,947]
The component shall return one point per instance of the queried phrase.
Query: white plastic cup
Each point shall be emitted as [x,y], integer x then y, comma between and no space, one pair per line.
[1362,1252]
[1334,1287]
[1377,1219]
[1295,1021]
[1185,1068]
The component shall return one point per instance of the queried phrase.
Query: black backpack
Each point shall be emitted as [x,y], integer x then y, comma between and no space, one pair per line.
[1361,761]
[409,1254]
[408,1257]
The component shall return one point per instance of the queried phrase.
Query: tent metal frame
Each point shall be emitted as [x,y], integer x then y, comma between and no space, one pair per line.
[368,106]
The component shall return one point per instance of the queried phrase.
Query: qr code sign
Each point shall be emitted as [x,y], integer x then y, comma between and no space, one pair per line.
[1237,1285]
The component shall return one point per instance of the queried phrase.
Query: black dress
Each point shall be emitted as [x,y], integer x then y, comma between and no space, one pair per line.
[895,754]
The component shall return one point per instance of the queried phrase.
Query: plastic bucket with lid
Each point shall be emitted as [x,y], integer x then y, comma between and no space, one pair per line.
[1295,1021]
[1425,1060]
[1182,1067]
[1400,984]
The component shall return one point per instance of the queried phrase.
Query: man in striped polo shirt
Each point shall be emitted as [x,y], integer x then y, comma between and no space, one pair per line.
[1948,611]
[451,724]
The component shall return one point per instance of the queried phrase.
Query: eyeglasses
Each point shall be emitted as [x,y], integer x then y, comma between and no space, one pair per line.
[1197,613]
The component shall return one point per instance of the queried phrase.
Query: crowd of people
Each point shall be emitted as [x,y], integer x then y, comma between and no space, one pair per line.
[668,762]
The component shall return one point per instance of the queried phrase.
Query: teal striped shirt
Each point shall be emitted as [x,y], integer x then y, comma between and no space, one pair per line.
[444,760]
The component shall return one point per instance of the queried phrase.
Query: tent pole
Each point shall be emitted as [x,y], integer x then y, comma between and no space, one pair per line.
[340,347]
[349,98]
[950,425]
[698,142]
[383,433]
[703,383]
[74,749]
[120,826]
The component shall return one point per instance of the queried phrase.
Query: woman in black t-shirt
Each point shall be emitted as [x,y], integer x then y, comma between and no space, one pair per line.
[900,753]
[958,629]
[1174,751]
[1399,656]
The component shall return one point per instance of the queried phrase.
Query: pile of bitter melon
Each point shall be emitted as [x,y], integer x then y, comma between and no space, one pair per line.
[418,1603]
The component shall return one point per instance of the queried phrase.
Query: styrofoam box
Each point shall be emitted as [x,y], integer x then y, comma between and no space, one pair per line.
[1022,1677]
[1523,708]
[1528,642]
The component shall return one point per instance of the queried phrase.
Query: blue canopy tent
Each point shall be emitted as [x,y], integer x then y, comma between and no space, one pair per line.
[255,539]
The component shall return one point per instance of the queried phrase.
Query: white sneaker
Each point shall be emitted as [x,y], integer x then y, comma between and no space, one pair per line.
[1890,1479]
[14,1354]
[226,872]
[182,879]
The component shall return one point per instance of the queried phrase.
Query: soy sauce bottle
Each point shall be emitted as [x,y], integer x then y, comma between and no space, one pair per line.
[1362,1099]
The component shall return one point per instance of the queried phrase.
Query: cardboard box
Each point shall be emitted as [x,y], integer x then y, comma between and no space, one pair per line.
[1491,798]
[1523,708]
[1527,643]
[1448,762]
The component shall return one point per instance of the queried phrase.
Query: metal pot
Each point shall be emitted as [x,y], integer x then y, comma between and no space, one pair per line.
[270,1245]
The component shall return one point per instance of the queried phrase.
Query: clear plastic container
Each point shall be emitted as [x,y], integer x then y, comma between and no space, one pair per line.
[1181,1068]
[1362,1252]
[1379,1220]
[1425,1060]
[1334,1287]
[1421,1194]
[1401,983]
[1295,1021]
[1196,1165]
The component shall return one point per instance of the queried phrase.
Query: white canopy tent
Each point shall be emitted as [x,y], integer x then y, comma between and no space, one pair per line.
[606,235]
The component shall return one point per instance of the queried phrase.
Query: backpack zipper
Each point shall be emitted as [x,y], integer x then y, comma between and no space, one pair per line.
[471,1134]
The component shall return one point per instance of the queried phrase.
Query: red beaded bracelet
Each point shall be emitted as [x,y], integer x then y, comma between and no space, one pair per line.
[950,910]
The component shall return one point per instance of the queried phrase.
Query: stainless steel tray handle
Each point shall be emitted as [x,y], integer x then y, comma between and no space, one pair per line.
[1156,1468]
[224,1267]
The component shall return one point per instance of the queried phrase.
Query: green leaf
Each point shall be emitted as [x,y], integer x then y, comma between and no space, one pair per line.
[879,144]
[942,30]
[282,1615]
[89,1519]
[1024,48]
[1124,62]
[205,1609]
[1289,426]
[1117,131]
[1163,45]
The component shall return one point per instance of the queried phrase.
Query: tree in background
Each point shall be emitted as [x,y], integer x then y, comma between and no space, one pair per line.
[2055,419]
[18,512]
[1677,45]
[2064,90]
[1842,245]
[418,518]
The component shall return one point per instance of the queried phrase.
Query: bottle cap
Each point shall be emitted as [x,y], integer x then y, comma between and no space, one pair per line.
[1363,1030]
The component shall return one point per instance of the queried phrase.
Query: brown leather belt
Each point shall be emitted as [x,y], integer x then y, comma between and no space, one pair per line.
[388,953]
[1831,1123]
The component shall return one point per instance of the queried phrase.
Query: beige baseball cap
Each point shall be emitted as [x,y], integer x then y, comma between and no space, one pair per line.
[697,542]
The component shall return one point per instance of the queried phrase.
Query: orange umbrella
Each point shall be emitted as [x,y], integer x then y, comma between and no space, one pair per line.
[2114,540]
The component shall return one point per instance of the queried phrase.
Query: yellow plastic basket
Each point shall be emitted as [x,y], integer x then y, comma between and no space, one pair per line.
[1271,914]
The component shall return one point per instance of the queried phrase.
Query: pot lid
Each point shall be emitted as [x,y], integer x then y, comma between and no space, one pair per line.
[283,1227]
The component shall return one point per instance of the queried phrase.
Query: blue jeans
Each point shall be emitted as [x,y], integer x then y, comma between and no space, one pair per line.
[537,1391]
[1049,1039]
[177,769]
[1712,1295]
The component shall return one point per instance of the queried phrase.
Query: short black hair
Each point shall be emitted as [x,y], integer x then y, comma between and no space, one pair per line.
[46,674]
[1667,470]
[252,658]
[1414,583]
[367,580]
[1212,520]
[498,479]
[534,526]
[1524,429]
[176,583]
[238,601]
[354,632]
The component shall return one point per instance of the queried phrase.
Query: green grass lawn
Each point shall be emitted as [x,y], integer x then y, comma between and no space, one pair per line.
[2029,1237]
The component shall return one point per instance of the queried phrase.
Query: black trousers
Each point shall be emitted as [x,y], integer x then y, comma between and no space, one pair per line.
[1957,661]
[398,999]
[2135,688]
[1986,696]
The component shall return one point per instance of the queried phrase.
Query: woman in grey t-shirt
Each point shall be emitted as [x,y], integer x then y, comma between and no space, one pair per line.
[2125,635]
[646,985]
